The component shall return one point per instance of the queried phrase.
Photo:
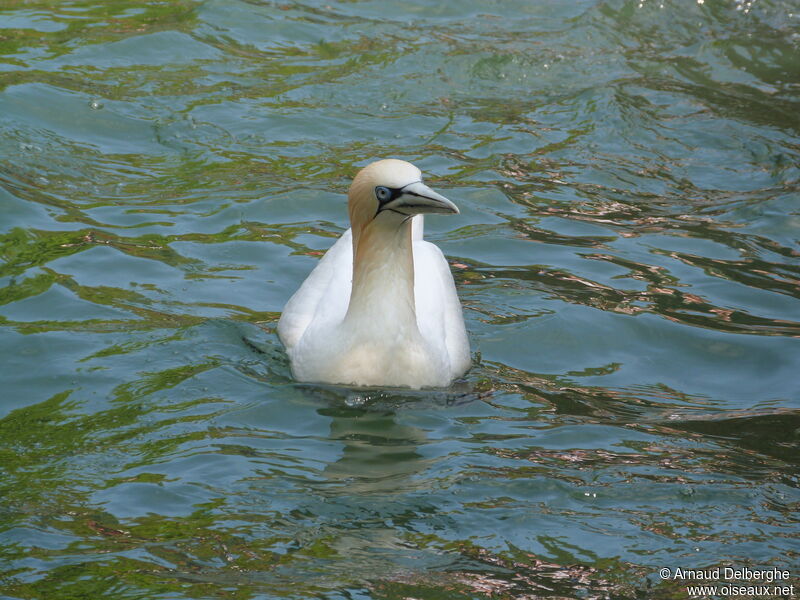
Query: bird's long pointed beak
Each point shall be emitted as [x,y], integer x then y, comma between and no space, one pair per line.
[418,198]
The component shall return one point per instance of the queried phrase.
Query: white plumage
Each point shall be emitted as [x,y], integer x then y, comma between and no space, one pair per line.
[380,308]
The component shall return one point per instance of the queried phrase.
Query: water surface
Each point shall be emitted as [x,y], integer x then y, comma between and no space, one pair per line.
[627,256]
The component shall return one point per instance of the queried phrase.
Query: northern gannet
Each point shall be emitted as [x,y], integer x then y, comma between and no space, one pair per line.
[380,308]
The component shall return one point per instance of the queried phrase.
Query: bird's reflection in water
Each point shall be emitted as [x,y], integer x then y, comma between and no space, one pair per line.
[380,450]
[376,495]
[379,454]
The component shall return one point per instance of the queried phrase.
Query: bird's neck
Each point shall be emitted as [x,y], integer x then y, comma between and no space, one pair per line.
[383,276]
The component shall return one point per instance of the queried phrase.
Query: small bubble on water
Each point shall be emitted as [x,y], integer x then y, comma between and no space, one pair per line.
[95,104]
[355,400]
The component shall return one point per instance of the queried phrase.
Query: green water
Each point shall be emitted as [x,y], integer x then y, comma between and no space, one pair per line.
[628,174]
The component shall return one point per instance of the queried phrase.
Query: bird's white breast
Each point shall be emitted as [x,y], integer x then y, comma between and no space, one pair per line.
[377,345]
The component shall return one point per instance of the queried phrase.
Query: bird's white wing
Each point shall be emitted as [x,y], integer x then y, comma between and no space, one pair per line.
[417,227]
[439,315]
[324,295]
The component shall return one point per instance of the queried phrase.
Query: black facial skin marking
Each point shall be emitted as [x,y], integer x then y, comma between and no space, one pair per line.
[385,195]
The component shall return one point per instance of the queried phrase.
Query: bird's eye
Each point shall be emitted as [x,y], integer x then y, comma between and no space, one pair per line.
[382,193]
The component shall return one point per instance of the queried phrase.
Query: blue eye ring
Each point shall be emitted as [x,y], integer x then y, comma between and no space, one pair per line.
[383,194]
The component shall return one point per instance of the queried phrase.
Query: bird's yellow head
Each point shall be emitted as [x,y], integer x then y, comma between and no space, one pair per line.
[391,190]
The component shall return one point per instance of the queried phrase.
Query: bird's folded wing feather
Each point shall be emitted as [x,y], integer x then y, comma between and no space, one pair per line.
[323,296]
[438,308]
